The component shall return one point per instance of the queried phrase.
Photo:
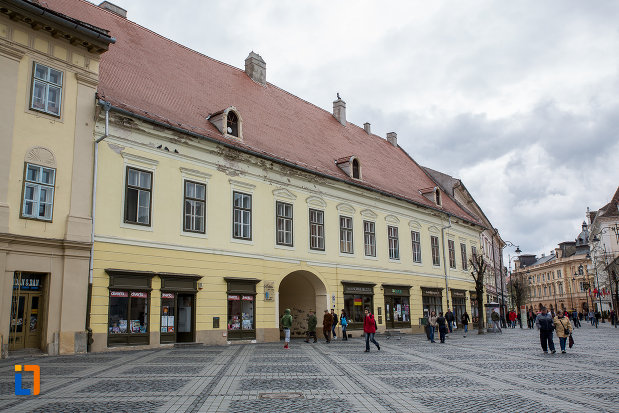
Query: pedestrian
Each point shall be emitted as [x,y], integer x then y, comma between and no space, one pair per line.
[286,324]
[512,319]
[575,318]
[432,325]
[442,327]
[311,326]
[592,318]
[519,316]
[344,323]
[564,329]
[334,317]
[531,318]
[465,322]
[545,325]
[449,316]
[495,322]
[596,317]
[613,320]
[369,329]
[327,324]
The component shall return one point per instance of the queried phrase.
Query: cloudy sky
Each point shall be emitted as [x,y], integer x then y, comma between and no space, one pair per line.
[518,99]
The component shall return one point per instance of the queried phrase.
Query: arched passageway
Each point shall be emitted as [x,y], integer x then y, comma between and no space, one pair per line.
[301,291]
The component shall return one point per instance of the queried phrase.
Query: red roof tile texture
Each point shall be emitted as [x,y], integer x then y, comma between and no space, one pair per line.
[150,75]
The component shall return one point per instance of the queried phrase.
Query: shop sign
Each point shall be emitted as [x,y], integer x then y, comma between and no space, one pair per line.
[136,294]
[458,294]
[358,289]
[234,298]
[358,301]
[167,295]
[247,298]
[432,293]
[473,295]
[32,282]
[269,291]
[122,294]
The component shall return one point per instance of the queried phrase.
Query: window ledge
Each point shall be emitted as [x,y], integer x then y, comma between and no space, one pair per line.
[147,228]
[284,247]
[321,252]
[194,234]
[242,241]
[419,264]
[395,261]
[347,255]
[370,257]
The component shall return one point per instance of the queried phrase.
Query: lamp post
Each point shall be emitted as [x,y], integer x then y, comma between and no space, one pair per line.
[518,251]
[571,295]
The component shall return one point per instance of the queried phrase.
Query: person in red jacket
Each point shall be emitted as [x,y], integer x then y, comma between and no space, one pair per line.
[369,328]
[512,319]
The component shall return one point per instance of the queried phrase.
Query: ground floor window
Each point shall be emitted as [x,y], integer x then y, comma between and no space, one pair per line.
[459,305]
[432,301]
[128,312]
[168,312]
[358,297]
[240,312]
[397,306]
[474,309]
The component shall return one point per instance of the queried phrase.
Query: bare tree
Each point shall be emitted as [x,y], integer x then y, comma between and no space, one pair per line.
[478,269]
[518,290]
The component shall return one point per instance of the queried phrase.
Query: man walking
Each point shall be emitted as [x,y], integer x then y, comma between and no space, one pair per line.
[575,318]
[495,322]
[369,329]
[465,322]
[545,325]
[449,316]
[334,317]
[311,326]
[286,324]
[327,322]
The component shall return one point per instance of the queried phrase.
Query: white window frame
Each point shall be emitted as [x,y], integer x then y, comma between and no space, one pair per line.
[465,264]
[393,238]
[435,247]
[283,220]
[416,242]
[242,222]
[46,84]
[318,237]
[37,187]
[193,201]
[369,238]
[451,248]
[346,235]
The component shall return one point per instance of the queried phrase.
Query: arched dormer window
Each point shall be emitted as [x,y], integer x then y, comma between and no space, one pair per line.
[356,170]
[232,123]
[350,165]
[437,196]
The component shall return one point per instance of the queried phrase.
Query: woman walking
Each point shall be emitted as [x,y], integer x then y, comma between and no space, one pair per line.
[563,328]
[369,328]
[344,323]
[465,322]
[442,326]
[432,325]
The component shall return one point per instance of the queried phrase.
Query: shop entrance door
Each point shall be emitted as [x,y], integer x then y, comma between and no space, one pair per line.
[25,321]
[397,312]
[185,330]
[177,318]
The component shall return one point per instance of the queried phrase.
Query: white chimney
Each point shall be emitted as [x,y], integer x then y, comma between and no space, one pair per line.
[256,68]
[366,128]
[392,137]
[114,9]
[339,110]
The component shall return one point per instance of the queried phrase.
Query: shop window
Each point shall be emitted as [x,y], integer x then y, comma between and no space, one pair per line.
[195,203]
[240,312]
[397,306]
[168,310]
[436,260]
[346,244]
[128,312]
[452,253]
[138,196]
[356,299]
[46,90]
[474,309]
[242,215]
[394,243]
[369,238]
[283,213]
[416,238]
[38,202]
[432,300]
[317,229]
[458,299]
[464,258]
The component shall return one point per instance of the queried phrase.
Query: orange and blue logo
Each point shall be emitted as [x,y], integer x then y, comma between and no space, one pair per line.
[36,370]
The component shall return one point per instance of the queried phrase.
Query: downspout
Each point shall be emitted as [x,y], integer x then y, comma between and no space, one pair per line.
[106,107]
[444,261]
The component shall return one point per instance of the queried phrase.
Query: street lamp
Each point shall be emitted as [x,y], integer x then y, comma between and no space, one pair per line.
[518,251]
[571,295]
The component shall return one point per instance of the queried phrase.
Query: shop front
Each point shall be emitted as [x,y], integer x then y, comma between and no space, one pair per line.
[432,299]
[397,306]
[357,297]
[458,300]
[129,307]
[27,310]
[241,297]
[178,310]
[474,308]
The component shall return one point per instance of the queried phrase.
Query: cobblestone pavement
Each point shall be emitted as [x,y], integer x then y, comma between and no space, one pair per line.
[506,372]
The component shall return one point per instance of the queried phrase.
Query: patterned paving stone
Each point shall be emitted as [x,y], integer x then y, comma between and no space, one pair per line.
[395,367]
[180,360]
[483,403]
[100,407]
[162,370]
[136,385]
[278,359]
[428,381]
[294,405]
[580,380]
[279,368]
[286,384]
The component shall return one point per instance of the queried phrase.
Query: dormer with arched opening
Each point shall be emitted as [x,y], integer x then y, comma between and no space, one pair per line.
[351,166]
[228,122]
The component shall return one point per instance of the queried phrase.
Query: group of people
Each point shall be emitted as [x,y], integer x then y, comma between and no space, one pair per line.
[574,316]
[330,321]
[444,324]
[546,324]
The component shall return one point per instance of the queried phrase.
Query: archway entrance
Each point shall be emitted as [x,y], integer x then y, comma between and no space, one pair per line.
[301,291]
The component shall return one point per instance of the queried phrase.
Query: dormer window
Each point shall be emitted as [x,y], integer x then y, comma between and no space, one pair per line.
[437,197]
[233,124]
[350,165]
[432,194]
[356,173]
[228,122]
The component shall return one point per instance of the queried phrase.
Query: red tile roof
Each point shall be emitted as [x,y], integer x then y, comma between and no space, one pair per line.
[150,75]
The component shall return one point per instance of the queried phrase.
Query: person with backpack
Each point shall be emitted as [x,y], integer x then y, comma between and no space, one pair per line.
[369,329]
[344,323]
[465,322]
[312,321]
[286,324]
[334,317]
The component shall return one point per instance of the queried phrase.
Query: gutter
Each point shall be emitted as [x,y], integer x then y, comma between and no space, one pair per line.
[276,160]
[445,261]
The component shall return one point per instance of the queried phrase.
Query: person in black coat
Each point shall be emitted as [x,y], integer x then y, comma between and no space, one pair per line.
[442,326]
[449,316]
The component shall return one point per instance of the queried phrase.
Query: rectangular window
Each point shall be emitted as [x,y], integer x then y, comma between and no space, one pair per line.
[369,238]
[346,235]
[138,196]
[452,253]
[38,199]
[195,197]
[474,251]
[46,89]
[394,243]
[128,312]
[558,273]
[436,259]
[416,239]
[560,289]
[317,229]
[465,263]
[241,212]
[284,223]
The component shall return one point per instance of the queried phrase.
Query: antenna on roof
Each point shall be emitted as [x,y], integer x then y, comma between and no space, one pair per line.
[338,95]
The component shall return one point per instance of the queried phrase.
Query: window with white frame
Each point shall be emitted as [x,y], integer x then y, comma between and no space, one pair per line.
[416,240]
[474,251]
[46,89]
[346,245]
[138,194]
[394,243]
[317,229]
[451,245]
[369,238]
[284,223]
[195,206]
[464,258]
[241,211]
[436,259]
[38,199]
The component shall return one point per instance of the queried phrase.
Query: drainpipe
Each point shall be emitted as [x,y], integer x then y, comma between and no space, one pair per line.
[106,107]
[445,261]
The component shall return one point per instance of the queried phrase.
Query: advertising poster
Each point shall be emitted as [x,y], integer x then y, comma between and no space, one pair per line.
[122,326]
[135,326]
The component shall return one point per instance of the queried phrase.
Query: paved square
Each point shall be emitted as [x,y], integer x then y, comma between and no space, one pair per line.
[491,373]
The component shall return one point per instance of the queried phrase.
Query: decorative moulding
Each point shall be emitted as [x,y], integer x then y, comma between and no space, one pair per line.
[347,209]
[368,213]
[11,52]
[87,80]
[41,156]
[414,224]
[433,229]
[129,157]
[392,219]
[315,201]
[195,173]
[284,193]
[241,185]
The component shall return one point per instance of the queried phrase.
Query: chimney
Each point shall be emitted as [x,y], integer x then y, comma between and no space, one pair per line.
[339,110]
[119,11]
[366,128]
[392,137]
[256,68]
